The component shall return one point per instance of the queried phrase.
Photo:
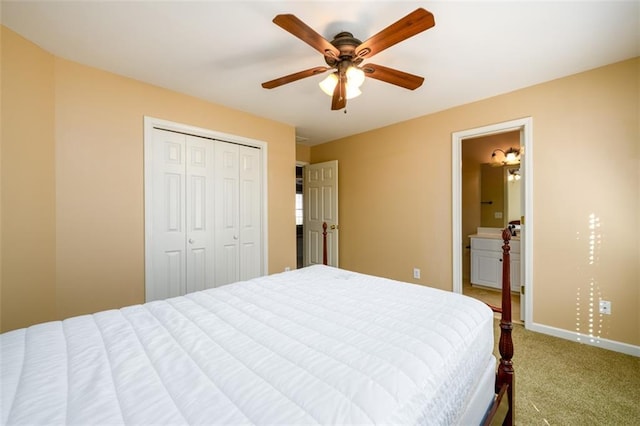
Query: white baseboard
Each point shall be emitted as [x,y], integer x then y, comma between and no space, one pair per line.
[611,345]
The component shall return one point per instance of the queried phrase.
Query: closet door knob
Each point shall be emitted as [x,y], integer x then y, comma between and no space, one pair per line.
[191,241]
[235,237]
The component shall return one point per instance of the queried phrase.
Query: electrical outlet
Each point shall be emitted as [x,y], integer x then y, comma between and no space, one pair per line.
[605,307]
[416,273]
[287,269]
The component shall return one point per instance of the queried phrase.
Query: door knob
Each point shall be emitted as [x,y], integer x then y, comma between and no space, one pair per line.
[334,227]
[235,237]
[191,241]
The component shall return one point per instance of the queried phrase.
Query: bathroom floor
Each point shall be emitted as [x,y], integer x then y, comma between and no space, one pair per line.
[493,297]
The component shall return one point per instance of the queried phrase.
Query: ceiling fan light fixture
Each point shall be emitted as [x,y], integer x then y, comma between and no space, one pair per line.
[329,83]
[355,76]
[352,92]
[345,52]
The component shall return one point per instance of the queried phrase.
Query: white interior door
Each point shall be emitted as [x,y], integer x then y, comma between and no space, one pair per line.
[181,215]
[320,206]
[206,215]
[204,209]
[167,257]
[199,213]
[250,212]
[227,225]
[238,217]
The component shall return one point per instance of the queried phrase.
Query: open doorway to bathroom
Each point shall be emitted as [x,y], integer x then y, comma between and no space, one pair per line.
[462,256]
[491,200]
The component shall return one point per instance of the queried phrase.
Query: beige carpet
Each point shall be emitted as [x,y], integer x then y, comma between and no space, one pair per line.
[560,382]
[493,297]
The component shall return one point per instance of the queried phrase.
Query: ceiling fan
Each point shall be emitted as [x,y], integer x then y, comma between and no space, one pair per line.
[345,54]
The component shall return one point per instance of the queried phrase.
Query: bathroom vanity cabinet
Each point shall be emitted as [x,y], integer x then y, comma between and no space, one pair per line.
[486,261]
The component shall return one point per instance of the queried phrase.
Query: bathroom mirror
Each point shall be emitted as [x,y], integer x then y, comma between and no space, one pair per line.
[499,195]
[512,194]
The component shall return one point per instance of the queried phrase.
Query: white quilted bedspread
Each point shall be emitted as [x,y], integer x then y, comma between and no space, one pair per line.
[316,345]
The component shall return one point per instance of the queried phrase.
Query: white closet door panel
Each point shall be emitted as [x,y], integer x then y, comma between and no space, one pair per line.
[200,255]
[227,264]
[249,263]
[250,212]
[172,274]
[197,270]
[203,214]
[226,213]
[229,206]
[168,220]
[173,201]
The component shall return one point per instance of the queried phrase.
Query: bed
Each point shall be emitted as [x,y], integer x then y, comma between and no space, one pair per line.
[314,345]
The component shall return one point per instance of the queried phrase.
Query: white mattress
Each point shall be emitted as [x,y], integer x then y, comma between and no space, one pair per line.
[316,345]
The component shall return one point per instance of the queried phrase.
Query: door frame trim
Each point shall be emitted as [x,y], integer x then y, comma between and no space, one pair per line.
[149,124]
[525,126]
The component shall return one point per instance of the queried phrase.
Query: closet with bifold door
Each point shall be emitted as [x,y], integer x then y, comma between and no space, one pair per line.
[204,218]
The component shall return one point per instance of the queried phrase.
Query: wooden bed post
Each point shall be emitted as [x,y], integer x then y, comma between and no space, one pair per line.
[324,243]
[505,376]
[505,373]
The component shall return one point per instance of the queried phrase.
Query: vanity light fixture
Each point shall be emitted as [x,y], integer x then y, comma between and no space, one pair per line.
[514,175]
[509,157]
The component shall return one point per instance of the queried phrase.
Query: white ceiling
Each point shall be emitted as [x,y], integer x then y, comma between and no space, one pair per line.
[221,51]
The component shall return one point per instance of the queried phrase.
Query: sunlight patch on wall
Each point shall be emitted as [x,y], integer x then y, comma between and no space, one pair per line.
[588,317]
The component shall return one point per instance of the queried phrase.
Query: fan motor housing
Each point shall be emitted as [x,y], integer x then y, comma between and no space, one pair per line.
[346,43]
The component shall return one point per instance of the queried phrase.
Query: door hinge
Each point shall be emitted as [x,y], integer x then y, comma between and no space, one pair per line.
[521,289]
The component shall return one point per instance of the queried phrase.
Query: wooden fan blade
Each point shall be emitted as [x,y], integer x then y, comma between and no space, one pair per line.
[417,21]
[305,33]
[294,77]
[390,75]
[339,99]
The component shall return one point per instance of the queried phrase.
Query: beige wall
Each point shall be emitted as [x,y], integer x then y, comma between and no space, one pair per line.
[73,144]
[72,191]
[303,153]
[395,195]
[28,184]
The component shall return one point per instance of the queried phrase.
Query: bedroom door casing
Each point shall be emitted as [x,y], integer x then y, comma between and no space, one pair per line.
[204,212]
[320,206]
